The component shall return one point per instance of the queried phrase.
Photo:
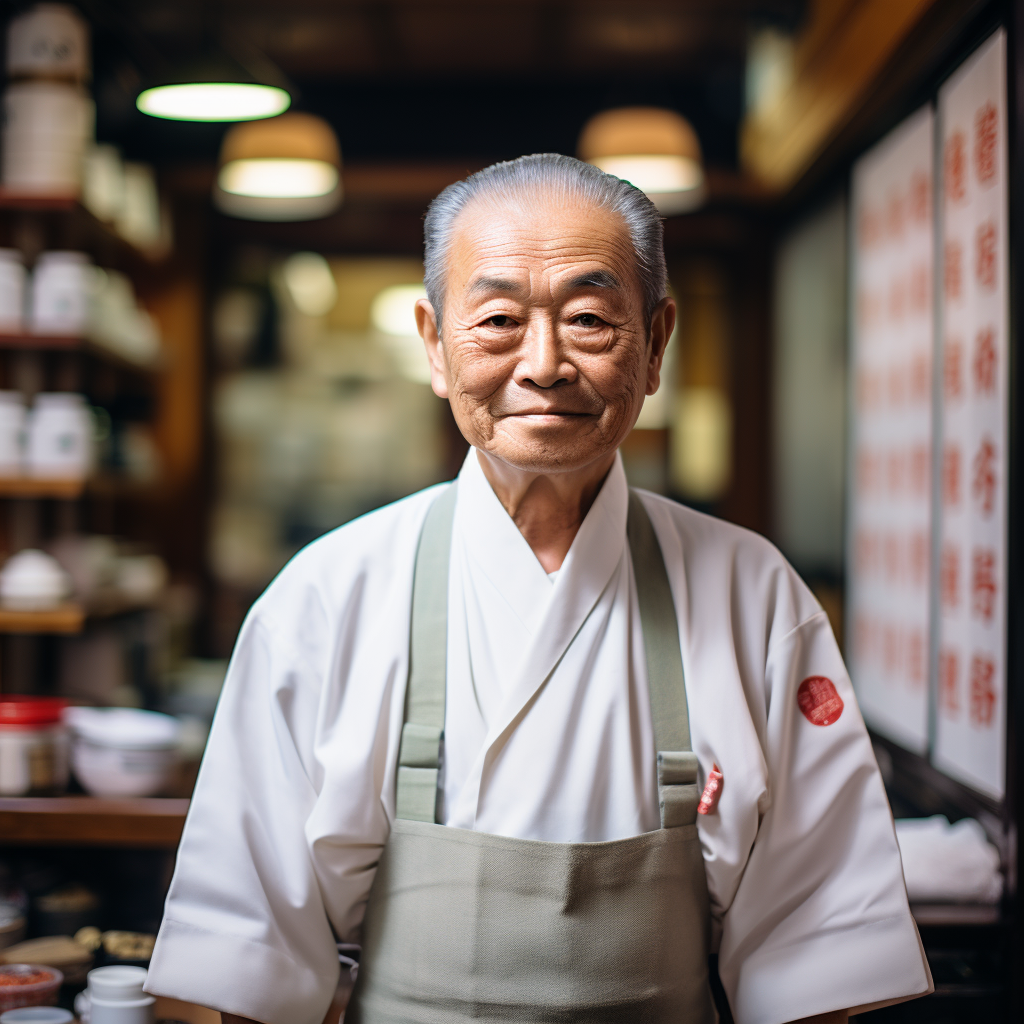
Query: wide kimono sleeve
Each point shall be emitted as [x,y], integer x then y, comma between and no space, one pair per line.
[245,929]
[820,919]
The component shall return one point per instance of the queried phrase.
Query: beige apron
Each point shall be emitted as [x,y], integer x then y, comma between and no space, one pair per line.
[464,926]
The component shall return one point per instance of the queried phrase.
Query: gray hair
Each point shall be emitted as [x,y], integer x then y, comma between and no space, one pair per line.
[514,180]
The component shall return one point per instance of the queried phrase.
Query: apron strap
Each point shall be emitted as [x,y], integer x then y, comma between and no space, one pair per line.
[677,763]
[419,759]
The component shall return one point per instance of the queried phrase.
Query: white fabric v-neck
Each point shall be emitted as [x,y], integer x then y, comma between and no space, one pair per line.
[529,649]
[500,587]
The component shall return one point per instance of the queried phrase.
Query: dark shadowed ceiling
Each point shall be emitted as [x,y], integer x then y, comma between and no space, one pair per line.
[440,79]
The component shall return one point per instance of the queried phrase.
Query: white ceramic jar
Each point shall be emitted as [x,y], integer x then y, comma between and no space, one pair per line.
[60,436]
[103,181]
[123,751]
[46,128]
[116,996]
[139,217]
[48,40]
[12,433]
[62,286]
[12,292]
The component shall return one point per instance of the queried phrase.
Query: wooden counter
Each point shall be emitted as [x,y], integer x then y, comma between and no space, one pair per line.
[152,823]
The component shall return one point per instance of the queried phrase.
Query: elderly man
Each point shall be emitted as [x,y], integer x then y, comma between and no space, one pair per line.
[539,742]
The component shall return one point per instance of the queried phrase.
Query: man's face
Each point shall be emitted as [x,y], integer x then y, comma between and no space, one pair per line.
[544,354]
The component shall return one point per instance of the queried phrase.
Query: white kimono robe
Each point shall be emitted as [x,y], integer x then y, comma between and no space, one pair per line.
[548,736]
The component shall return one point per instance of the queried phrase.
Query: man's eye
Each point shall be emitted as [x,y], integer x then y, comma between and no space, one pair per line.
[499,320]
[588,320]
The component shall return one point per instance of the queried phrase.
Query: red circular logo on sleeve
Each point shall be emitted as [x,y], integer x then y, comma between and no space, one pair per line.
[819,701]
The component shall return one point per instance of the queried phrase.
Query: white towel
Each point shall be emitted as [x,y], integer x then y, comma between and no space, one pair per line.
[945,863]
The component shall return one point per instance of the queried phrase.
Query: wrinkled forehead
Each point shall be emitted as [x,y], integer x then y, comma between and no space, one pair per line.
[544,236]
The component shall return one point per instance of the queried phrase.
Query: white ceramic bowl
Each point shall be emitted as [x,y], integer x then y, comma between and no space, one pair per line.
[32,579]
[37,1015]
[122,751]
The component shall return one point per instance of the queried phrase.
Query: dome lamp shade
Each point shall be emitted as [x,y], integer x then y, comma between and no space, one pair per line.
[215,87]
[654,149]
[283,168]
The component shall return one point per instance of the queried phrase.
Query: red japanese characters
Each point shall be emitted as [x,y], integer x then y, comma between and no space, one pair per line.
[819,700]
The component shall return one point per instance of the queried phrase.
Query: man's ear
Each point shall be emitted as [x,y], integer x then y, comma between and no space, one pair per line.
[663,320]
[426,324]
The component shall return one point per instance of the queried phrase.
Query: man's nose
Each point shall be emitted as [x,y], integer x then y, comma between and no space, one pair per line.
[542,360]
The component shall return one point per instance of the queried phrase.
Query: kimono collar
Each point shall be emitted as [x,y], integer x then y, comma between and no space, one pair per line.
[500,550]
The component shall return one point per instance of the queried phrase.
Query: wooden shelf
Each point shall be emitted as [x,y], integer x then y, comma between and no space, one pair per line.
[70,616]
[65,618]
[75,343]
[111,485]
[67,488]
[956,915]
[154,822]
[70,205]
[33,202]
[106,604]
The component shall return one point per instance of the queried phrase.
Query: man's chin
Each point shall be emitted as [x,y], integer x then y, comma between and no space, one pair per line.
[557,450]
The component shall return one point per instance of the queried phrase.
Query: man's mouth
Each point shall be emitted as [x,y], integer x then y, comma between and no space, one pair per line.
[549,413]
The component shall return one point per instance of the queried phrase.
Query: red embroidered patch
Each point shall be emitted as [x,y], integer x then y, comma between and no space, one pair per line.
[819,701]
[712,791]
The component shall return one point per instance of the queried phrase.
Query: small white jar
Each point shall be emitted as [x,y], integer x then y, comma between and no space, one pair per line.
[12,292]
[48,41]
[61,289]
[12,433]
[60,436]
[116,996]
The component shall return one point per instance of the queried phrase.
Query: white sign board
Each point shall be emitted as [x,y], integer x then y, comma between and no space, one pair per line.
[971,715]
[892,346]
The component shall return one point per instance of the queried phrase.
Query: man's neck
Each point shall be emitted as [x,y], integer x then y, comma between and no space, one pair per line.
[548,508]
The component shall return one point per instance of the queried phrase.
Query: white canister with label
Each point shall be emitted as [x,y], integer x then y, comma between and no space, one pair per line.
[61,290]
[12,433]
[48,40]
[60,436]
[12,292]
[46,128]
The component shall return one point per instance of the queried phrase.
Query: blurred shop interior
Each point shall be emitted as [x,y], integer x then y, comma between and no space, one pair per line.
[210,247]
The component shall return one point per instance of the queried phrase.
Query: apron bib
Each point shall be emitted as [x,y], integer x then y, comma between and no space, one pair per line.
[465,926]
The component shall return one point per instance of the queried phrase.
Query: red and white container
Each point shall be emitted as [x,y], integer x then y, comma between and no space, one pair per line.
[34,749]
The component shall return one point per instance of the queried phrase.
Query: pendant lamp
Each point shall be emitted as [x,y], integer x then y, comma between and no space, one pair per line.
[217,87]
[282,168]
[654,149]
